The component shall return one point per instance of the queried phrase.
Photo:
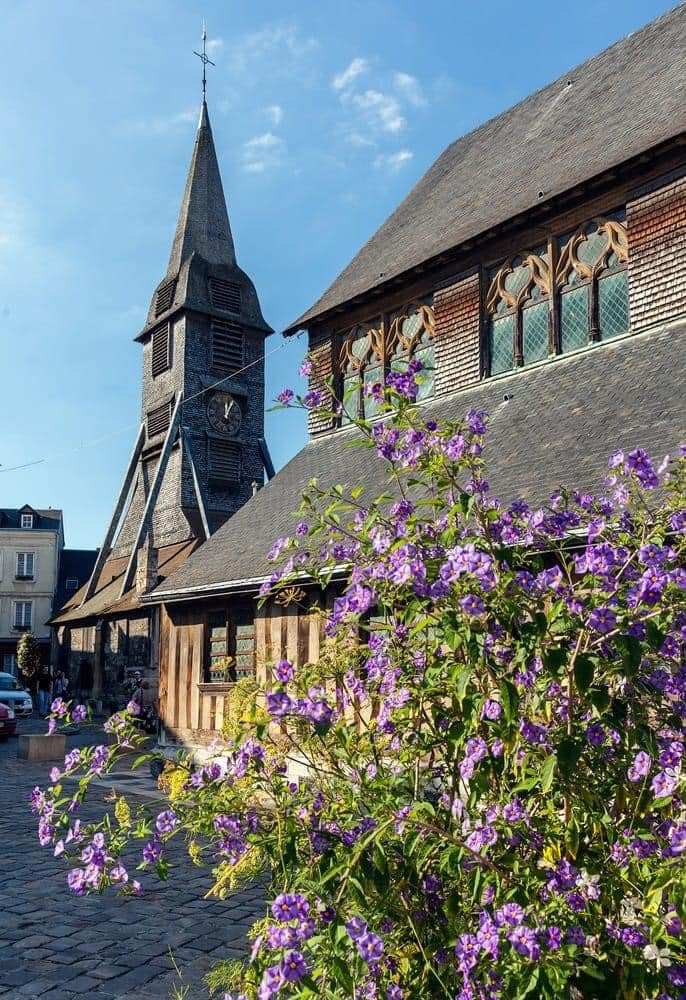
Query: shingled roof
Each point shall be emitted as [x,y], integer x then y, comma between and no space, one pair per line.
[610,109]
[558,425]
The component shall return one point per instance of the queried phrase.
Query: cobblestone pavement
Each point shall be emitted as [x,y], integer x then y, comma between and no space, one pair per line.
[58,947]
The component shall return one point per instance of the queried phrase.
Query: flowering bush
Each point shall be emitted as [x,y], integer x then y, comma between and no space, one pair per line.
[477,790]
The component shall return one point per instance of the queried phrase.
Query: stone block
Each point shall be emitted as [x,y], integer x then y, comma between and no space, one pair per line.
[45,747]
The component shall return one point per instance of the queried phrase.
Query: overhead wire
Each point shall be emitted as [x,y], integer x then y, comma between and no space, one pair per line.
[127,427]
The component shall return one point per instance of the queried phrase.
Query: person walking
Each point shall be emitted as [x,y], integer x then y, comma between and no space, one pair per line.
[61,685]
[44,686]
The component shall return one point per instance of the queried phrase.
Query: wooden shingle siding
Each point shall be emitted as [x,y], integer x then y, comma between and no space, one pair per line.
[457,311]
[321,355]
[656,229]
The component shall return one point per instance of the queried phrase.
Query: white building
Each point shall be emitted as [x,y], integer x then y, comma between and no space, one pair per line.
[31,543]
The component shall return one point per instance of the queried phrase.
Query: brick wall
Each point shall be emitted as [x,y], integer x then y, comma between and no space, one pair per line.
[656,231]
[321,355]
[457,336]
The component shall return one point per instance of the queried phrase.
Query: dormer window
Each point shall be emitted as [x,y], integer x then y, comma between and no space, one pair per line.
[27,520]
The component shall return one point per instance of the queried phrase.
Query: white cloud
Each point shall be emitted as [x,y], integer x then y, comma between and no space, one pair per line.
[277,36]
[275,113]
[380,110]
[409,87]
[168,123]
[214,45]
[392,162]
[356,68]
[263,152]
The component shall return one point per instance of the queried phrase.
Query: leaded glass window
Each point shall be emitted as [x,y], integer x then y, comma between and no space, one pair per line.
[535,310]
[371,350]
[518,307]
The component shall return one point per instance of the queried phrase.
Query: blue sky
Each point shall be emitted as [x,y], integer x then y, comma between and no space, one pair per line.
[324,115]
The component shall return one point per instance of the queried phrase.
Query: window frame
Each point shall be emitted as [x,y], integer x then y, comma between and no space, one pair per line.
[22,626]
[25,557]
[552,265]
[26,521]
[229,617]
[385,335]
[74,581]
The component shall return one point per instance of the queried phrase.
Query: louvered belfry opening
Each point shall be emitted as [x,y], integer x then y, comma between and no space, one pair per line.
[158,420]
[160,349]
[225,295]
[225,460]
[165,297]
[227,347]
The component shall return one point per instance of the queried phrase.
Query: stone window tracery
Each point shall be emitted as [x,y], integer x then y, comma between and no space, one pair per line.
[384,344]
[559,297]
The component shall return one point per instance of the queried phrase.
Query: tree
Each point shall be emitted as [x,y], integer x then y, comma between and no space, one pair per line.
[28,659]
[493,741]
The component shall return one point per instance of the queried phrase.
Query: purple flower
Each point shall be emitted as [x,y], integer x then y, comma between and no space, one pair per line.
[313,399]
[278,703]
[305,368]
[285,397]
[52,727]
[79,713]
[288,906]
[356,927]
[663,784]
[152,852]
[283,672]
[602,620]
[394,992]
[166,821]
[76,882]
[293,966]
[640,767]
[370,947]
[472,605]
[59,708]
[523,940]
[133,708]
[491,710]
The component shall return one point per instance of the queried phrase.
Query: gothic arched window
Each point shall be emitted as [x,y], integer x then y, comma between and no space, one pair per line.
[591,277]
[387,343]
[533,312]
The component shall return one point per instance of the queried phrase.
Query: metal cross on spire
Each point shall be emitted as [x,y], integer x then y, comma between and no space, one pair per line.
[204,59]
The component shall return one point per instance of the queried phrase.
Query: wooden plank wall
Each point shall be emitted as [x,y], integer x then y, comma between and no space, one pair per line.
[191,713]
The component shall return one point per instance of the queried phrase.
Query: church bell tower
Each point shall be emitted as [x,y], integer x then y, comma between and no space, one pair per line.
[201,442]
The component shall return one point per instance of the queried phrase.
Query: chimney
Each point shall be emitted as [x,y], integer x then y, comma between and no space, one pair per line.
[146,567]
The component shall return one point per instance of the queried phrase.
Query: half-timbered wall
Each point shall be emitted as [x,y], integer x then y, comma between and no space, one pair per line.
[191,708]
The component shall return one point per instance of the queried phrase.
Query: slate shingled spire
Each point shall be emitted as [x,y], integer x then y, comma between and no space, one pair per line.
[203,224]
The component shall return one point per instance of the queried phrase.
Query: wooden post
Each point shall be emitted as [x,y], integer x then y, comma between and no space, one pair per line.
[152,496]
[121,500]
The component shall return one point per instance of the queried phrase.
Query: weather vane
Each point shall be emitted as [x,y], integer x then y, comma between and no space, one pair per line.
[204,59]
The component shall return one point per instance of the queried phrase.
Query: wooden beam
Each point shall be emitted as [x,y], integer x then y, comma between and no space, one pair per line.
[152,495]
[116,517]
[199,495]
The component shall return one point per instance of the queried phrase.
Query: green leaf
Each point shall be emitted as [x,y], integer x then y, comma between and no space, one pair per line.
[568,754]
[584,669]
[548,772]
[509,699]
[462,682]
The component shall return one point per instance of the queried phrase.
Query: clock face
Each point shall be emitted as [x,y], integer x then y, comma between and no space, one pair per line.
[224,414]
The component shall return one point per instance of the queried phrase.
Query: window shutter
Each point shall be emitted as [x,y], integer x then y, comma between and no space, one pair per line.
[225,295]
[158,420]
[227,347]
[225,461]
[165,297]
[160,349]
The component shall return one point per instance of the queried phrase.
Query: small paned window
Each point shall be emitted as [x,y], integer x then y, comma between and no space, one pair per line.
[25,565]
[27,520]
[387,343]
[160,349]
[225,460]
[165,297]
[231,648]
[71,583]
[158,420]
[23,615]
[227,347]
[536,309]
[518,306]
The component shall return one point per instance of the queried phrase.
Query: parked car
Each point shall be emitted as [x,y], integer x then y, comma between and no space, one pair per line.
[15,696]
[8,722]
